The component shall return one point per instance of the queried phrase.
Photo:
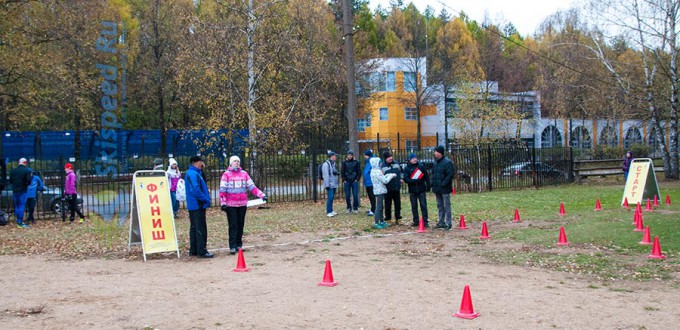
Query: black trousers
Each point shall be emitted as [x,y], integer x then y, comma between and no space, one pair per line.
[392,196]
[198,233]
[371,197]
[72,200]
[415,199]
[236,216]
[30,208]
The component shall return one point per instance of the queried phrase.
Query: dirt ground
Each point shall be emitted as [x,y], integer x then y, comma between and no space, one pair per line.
[399,281]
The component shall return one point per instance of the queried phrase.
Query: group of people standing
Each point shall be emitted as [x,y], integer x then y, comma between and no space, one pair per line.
[235,184]
[25,186]
[383,179]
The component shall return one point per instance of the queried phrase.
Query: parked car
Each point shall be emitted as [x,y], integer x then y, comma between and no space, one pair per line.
[51,199]
[525,168]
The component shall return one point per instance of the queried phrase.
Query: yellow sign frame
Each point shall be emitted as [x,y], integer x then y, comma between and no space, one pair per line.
[152,222]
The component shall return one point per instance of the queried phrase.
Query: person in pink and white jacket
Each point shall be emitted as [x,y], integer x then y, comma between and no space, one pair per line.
[234,187]
[71,194]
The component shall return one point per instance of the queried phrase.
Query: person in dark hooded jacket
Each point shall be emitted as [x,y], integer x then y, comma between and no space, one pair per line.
[393,187]
[442,185]
[627,159]
[351,174]
[418,182]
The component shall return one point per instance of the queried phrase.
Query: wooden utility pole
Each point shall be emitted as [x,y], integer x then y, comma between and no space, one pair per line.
[351,109]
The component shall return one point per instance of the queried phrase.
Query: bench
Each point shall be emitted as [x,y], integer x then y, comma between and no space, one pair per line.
[603,167]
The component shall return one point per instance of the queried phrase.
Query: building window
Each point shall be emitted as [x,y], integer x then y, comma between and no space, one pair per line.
[580,138]
[633,136]
[390,82]
[383,113]
[551,137]
[411,145]
[361,125]
[609,137]
[369,118]
[410,82]
[410,114]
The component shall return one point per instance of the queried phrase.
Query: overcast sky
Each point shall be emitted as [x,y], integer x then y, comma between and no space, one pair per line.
[525,15]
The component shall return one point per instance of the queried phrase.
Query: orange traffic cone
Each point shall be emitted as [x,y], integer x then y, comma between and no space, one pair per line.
[461,223]
[648,208]
[562,212]
[517,219]
[668,199]
[563,238]
[421,226]
[466,310]
[241,263]
[636,218]
[646,237]
[639,226]
[328,276]
[625,203]
[656,250]
[598,206]
[485,232]
[656,200]
[453,191]
[638,208]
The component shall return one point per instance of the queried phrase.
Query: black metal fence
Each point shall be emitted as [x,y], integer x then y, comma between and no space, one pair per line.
[294,177]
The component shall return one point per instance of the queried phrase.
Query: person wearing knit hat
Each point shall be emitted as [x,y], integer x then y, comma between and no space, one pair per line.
[351,174]
[234,187]
[71,194]
[368,183]
[329,174]
[20,179]
[442,186]
[418,181]
[393,195]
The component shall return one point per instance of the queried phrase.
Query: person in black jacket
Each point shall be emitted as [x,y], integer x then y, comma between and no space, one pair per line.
[393,187]
[442,185]
[351,173]
[20,179]
[418,180]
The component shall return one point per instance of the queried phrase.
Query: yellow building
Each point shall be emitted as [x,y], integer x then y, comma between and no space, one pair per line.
[387,115]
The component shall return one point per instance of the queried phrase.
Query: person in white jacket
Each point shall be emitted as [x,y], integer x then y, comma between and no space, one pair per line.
[379,179]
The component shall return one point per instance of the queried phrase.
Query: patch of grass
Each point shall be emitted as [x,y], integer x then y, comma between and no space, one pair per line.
[651,309]
[621,290]
[592,286]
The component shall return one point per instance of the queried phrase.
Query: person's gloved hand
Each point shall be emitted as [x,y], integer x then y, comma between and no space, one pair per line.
[264,198]
[223,208]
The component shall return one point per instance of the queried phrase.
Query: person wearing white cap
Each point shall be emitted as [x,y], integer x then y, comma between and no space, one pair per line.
[20,179]
[234,187]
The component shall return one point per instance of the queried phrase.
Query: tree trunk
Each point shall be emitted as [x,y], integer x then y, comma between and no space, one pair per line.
[673,14]
[351,110]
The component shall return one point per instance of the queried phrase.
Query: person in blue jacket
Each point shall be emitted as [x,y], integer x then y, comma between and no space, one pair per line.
[367,181]
[31,194]
[198,200]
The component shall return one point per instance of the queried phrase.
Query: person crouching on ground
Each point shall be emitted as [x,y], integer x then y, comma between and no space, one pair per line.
[418,180]
[379,180]
[198,200]
[71,194]
[234,187]
[174,175]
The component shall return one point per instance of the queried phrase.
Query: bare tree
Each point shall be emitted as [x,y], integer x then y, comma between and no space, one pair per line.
[651,25]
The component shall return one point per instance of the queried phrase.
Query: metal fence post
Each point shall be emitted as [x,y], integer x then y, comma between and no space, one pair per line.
[315,176]
[489,168]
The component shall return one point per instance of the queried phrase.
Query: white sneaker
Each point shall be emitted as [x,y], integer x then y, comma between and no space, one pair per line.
[355,211]
[334,213]
[349,211]
[370,214]
[330,215]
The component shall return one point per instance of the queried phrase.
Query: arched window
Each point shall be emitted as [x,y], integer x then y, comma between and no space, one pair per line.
[551,137]
[580,138]
[633,136]
[608,136]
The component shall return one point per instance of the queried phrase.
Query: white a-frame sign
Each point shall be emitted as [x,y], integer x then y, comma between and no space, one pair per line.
[152,222]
